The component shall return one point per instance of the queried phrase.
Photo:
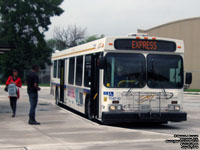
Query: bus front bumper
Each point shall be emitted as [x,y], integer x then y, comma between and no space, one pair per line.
[120,117]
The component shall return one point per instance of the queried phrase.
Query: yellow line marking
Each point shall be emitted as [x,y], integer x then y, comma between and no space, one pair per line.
[74,52]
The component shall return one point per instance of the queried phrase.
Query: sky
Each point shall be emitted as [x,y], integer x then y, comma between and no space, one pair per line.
[121,17]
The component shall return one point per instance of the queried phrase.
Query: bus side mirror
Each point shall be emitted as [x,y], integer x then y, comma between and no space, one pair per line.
[188,78]
[102,62]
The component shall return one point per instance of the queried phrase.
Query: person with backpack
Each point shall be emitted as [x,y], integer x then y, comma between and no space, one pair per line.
[12,87]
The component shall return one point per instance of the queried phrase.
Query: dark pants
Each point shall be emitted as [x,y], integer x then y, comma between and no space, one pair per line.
[33,98]
[13,104]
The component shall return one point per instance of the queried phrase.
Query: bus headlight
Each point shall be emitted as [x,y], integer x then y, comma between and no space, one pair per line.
[112,108]
[172,107]
[115,107]
[177,108]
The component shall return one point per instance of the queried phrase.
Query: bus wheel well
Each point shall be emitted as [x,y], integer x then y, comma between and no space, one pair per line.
[87,98]
[88,108]
[56,96]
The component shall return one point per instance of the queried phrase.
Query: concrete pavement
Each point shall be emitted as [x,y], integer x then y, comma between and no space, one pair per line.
[62,130]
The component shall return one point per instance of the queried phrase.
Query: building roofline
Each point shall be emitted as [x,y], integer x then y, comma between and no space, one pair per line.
[169,23]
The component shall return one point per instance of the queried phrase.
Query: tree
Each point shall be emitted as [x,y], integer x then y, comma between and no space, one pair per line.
[23,23]
[51,43]
[92,38]
[70,37]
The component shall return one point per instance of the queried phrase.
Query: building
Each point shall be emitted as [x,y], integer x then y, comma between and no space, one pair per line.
[187,30]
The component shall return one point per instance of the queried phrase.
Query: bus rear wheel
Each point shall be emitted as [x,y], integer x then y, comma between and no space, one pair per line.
[56,97]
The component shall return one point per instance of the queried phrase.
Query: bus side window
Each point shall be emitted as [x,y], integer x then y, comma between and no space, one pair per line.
[59,66]
[88,66]
[79,70]
[71,71]
[55,66]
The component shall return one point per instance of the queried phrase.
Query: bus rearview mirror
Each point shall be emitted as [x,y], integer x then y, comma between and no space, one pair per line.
[188,78]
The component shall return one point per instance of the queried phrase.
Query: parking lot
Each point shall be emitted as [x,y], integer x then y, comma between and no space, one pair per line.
[61,129]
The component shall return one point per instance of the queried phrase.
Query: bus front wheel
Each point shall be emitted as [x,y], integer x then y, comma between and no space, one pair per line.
[88,110]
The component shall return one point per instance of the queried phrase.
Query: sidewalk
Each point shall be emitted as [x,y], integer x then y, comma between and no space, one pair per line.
[63,130]
[192,93]
[17,134]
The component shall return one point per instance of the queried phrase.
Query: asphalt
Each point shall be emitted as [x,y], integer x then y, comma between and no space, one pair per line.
[61,129]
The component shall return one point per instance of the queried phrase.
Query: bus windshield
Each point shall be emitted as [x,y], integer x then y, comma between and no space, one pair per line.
[164,71]
[124,70]
[128,70]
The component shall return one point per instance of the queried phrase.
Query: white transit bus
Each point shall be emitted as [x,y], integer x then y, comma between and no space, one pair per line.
[134,78]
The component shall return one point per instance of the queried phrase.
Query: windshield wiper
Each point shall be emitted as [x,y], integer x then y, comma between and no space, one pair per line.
[130,89]
[165,93]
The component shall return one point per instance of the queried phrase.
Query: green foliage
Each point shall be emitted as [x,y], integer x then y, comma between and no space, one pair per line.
[23,23]
[67,37]
[93,38]
[57,44]
[192,90]
[51,43]
[71,36]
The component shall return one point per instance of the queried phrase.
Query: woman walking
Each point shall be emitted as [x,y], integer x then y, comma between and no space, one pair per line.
[15,80]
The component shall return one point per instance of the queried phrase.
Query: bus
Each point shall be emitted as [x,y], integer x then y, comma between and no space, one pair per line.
[134,78]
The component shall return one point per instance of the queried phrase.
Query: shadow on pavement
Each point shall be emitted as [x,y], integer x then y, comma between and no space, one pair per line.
[146,125]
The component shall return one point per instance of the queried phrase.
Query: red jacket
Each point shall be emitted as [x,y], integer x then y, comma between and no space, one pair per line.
[18,82]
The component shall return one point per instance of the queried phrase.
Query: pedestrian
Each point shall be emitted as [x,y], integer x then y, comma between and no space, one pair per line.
[32,89]
[14,82]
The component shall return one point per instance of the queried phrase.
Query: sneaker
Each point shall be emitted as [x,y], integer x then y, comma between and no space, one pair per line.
[13,115]
[33,122]
[36,121]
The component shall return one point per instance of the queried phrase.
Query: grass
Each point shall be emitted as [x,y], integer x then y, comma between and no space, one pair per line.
[44,84]
[192,90]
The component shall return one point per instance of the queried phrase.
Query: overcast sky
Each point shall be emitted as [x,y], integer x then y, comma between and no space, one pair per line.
[120,17]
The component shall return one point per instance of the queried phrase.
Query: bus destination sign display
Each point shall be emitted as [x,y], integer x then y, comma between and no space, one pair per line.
[145,45]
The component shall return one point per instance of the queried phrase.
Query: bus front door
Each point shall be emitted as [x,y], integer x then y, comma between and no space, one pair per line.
[95,85]
[62,79]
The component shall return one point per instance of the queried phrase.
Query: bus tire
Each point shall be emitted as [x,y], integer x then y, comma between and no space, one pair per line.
[56,97]
[88,109]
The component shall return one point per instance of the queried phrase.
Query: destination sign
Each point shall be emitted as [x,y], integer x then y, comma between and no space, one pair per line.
[145,45]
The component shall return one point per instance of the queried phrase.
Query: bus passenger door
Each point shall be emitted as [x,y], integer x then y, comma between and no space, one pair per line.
[62,79]
[95,84]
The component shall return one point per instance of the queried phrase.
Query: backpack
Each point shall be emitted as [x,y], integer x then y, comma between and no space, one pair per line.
[12,90]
